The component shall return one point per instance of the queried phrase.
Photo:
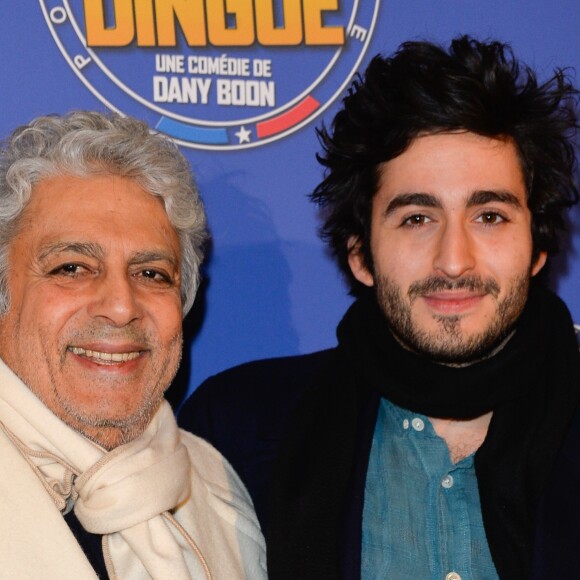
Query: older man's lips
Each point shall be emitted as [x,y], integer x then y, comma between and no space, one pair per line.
[105,357]
[453,302]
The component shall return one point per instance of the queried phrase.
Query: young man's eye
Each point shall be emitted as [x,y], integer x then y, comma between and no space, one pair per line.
[491,218]
[416,220]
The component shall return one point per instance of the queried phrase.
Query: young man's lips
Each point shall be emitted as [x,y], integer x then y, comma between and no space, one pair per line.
[453,301]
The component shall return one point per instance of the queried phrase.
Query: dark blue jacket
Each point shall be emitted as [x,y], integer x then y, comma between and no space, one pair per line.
[244,413]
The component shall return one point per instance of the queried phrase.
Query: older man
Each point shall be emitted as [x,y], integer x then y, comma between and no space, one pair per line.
[101,235]
[418,448]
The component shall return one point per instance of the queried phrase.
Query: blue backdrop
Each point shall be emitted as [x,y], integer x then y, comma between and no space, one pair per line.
[270,287]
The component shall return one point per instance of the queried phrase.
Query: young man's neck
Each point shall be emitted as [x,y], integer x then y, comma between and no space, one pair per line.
[463,437]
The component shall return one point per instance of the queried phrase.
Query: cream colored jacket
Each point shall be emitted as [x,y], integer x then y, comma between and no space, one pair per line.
[36,543]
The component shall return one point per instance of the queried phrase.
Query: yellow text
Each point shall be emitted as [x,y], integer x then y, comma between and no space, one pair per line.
[210,22]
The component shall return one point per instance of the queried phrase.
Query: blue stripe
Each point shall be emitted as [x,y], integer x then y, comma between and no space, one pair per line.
[191,133]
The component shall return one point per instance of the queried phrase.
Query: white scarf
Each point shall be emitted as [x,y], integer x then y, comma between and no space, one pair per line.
[126,494]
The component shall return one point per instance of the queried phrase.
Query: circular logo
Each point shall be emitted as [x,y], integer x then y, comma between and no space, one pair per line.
[212,74]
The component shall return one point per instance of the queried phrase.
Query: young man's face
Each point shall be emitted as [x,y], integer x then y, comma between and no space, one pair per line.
[451,245]
[94,323]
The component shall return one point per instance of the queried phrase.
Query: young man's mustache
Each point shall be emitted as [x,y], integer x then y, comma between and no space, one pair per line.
[438,283]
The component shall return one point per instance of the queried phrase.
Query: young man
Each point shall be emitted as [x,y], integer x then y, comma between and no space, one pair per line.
[101,237]
[418,447]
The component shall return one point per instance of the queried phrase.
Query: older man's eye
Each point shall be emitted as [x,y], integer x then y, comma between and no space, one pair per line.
[72,270]
[154,276]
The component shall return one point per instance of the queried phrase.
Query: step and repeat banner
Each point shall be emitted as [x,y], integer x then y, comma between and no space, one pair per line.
[241,85]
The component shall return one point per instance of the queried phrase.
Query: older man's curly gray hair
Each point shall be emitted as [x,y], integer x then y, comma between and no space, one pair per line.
[84,144]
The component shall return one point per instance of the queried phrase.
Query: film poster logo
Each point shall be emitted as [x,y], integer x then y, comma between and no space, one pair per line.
[215,74]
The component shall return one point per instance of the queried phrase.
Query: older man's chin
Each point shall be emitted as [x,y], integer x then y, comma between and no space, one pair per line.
[110,433]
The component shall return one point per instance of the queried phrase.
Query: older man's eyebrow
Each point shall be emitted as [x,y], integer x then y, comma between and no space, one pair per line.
[481,197]
[88,249]
[406,199]
[155,256]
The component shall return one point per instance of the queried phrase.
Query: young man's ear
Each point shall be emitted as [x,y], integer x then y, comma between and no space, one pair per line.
[539,263]
[357,263]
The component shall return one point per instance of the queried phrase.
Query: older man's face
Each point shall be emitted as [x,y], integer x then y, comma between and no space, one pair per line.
[94,325]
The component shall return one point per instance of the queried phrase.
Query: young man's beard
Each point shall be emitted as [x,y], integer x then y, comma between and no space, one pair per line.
[450,344]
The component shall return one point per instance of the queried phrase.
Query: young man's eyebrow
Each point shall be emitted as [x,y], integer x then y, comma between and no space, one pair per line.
[481,197]
[88,249]
[405,199]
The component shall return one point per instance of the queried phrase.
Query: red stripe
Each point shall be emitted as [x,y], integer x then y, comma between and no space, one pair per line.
[287,119]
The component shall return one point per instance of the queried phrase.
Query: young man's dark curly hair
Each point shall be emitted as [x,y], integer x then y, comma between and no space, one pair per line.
[425,89]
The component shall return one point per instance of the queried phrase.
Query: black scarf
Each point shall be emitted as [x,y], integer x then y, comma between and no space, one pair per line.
[531,385]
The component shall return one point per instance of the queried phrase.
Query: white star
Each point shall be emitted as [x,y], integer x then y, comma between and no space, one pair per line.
[243,135]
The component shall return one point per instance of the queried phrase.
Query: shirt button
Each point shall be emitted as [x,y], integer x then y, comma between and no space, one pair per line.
[418,424]
[453,576]
[405,423]
[447,482]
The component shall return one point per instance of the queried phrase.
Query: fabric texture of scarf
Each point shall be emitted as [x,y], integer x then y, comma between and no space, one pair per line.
[531,385]
[136,496]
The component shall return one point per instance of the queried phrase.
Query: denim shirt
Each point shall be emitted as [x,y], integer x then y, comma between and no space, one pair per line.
[422,515]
